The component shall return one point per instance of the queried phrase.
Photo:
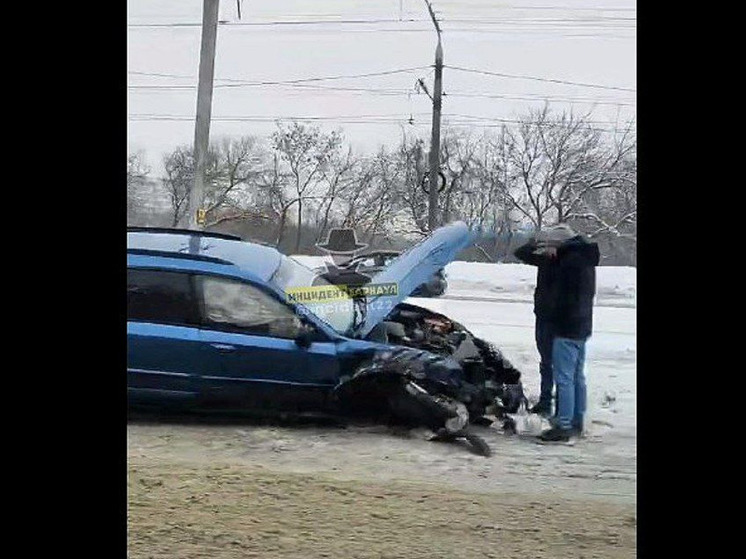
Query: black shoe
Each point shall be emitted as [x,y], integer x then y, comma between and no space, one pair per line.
[542,408]
[556,435]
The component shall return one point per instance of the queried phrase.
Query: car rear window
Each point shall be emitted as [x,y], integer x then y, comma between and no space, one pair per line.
[160,297]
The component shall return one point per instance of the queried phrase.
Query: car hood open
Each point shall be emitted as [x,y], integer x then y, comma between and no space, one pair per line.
[411,269]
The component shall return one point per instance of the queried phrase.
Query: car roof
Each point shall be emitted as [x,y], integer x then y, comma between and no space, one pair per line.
[259,260]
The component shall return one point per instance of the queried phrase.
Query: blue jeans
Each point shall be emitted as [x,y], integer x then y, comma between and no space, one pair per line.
[544,341]
[568,361]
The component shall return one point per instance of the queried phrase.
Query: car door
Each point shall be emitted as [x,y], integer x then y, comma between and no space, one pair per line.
[255,360]
[163,347]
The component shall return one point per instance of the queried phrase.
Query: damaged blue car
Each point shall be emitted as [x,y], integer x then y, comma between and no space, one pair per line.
[217,323]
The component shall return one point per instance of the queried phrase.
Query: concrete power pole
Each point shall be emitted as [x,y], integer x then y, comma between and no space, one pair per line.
[204,109]
[432,216]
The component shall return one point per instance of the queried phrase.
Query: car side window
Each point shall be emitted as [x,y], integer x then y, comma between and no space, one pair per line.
[161,297]
[238,306]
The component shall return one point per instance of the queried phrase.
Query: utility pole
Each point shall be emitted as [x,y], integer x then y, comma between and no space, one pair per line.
[204,110]
[432,216]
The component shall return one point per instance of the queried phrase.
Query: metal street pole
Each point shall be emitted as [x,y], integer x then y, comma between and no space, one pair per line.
[204,109]
[432,216]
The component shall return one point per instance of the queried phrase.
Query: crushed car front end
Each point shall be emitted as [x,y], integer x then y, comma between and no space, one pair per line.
[441,356]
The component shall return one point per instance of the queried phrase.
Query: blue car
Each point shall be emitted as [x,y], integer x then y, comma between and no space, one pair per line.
[217,323]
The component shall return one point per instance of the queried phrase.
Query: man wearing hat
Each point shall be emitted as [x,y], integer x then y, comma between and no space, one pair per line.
[341,245]
[563,304]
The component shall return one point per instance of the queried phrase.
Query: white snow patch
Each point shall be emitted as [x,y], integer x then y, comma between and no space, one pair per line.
[615,285]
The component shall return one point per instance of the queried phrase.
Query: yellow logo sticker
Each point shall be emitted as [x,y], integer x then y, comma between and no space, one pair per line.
[325,293]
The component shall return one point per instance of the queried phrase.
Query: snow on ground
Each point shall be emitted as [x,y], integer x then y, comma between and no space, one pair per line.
[615,285]
[495,301]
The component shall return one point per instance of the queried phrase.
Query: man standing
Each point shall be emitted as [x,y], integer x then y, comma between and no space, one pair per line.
[541,251]
[575,260]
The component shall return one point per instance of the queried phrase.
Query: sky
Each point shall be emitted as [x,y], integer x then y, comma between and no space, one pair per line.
[534,47]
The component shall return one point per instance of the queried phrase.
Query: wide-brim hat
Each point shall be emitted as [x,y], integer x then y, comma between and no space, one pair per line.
[342,241]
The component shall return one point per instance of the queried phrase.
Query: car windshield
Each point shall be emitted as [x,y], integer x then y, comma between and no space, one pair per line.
[324,300]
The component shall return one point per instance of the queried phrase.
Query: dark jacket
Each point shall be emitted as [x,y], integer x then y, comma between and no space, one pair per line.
[341,276]
[566,286]
[545,292]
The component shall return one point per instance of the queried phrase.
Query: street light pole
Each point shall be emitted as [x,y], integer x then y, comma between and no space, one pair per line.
[432,216]
[204,109]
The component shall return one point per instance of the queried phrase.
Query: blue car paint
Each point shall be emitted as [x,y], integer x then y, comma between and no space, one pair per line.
[415,267]
[179,363]
[198,364]
[140,261]
[259,260]
[267,372]
[163,361]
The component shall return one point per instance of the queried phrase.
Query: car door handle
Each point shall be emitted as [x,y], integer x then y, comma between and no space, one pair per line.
[224,348]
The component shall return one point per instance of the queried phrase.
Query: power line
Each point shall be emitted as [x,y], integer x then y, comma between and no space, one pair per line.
[531,123]
[567,32]
[459,120]
[262,118]
[501,21]
[500,123]
[239,83]
[160,75]
[462,5]
[539,97]
[534,78]
[282,22]
[501,7]
[409,92]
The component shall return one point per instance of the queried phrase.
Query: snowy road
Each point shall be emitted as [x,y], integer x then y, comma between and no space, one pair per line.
[600,467]
[494,302]
[238,488]
[609,452]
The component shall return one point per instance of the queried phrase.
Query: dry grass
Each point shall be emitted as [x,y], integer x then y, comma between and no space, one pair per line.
[186,510]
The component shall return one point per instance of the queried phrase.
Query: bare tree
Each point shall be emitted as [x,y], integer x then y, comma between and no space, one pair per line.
[232,173]
[274,194]
[306,152]
[372,202]
[178,180]
[137,176]
[458,154]
[606,202]
[551,167]
[411,197]
[556,163]
[236,168]
[338,177]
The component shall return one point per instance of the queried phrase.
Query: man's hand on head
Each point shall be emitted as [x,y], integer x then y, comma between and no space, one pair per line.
[546,250]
